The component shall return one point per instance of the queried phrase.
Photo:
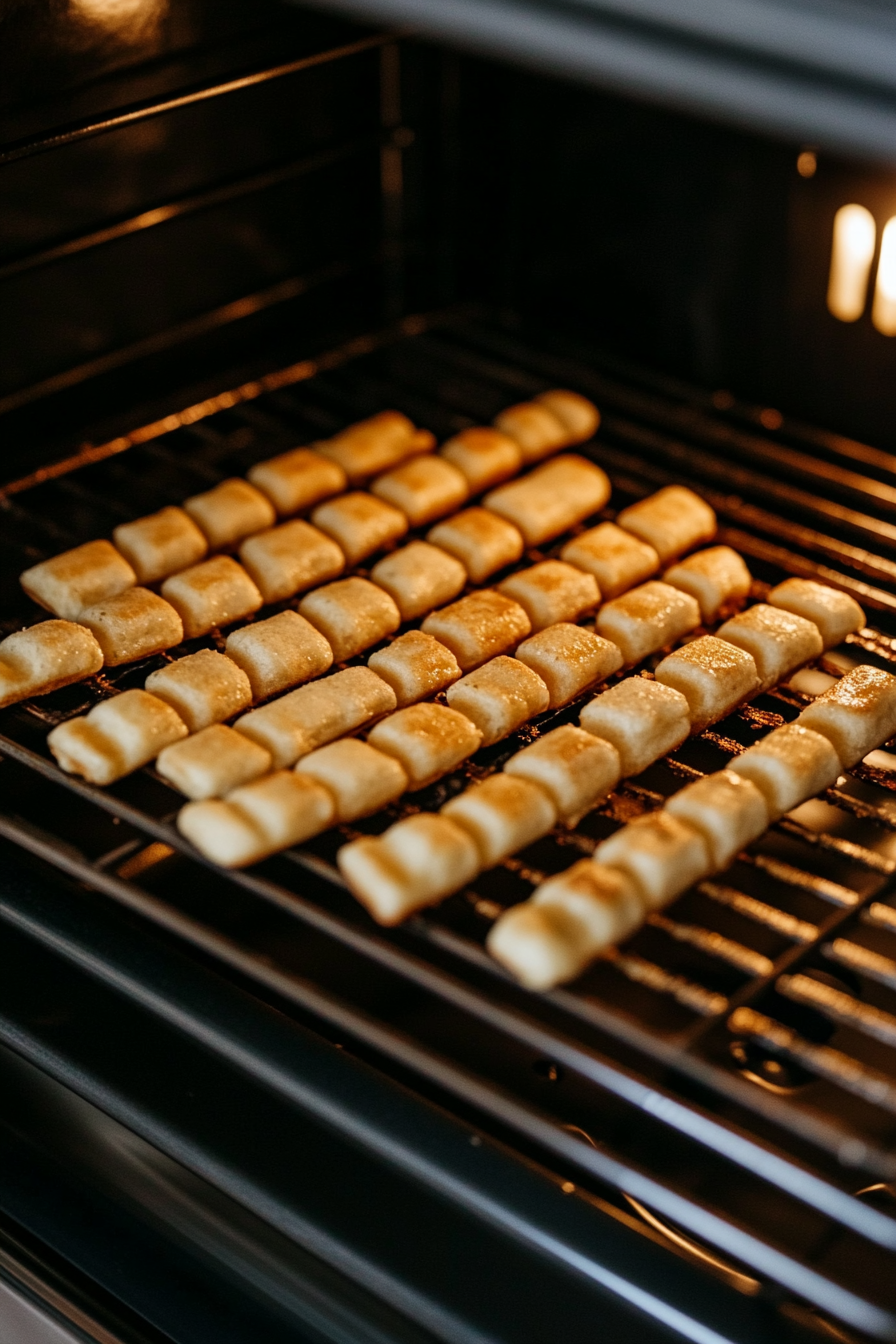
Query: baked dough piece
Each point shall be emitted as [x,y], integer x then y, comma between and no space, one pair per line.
[423,489]
[351,615]
[212,762]
[258,819]
[836,614]
[536,428]
[360,778]
[416,863]
[617,559]
[374,445]
[278,653]
[551,499]
[484,457]
[297,480]
[570,920]
[790,765]
[498,697]
[569,660]
[160,544]
[643,719]
[503,814]
[579,416]
[661,854]
[552,591]
[132,625]
[415,665]
[574,768]
[726,808]
[315,714]
[214,593]
[856,715]
[712,675]
[117,736]
[44,657]
[419,577]
[428,740]
[672,521]
[479,626]
[290,558]
[717,577]
[69,582]
[230,511]
[203,688]
[779,641]
[480,540]
[360,524]
[647,619]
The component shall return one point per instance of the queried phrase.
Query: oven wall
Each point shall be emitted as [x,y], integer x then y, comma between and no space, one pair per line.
[683,244]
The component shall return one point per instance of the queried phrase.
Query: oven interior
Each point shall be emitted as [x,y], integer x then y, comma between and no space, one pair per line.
[225,233]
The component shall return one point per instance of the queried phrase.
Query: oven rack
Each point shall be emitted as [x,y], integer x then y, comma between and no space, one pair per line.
[664,1001]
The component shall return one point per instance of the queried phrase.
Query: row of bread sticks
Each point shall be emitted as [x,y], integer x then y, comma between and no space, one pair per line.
[97,584]
[341,619]
[560,777]
[570,770]
[576,915]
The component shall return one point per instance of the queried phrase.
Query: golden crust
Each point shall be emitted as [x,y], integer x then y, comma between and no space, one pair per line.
[360,778]
[726,808]
[132,625]
[779,641]
[117,736]
[789,766]
[290,559]
[212,762]
[579,416]
[351,614]
[713,676]
[428,740]
[478,627]
[317,713]
[835,614]
[480,540]
[856,715]
[484,456]
[376,444]
[415,665]
[499,697]
[258,819]
[67,583]
[297,480]
[423,489]
[643,719]
[215,593]
[419,577]
[574,768]
[551,499]
[535,427]
[647,619]
[203,688]
[416,863]
[360,524]
[661,854]
[160,544]
[672,521]
[717,578]
[503,814]
[552,591]
[230,511]
[279,653]
[569,660]
[617,559]
[45,657]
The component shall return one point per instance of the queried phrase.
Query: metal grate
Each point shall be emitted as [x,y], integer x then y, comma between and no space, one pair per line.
[762,1003]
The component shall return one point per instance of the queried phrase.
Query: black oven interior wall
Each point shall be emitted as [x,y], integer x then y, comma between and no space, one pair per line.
[185,251]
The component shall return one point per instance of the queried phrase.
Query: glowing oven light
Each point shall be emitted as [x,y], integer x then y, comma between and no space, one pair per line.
[883,311]
[851,257]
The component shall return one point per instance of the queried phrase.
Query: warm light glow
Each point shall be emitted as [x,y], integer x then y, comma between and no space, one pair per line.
[851,258]
[807,163]
[883,313]
[135,18]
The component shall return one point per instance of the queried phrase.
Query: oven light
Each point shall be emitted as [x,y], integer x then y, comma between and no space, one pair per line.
[851,257]
[883,312]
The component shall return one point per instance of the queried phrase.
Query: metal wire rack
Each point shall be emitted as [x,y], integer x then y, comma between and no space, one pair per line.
[753,1022]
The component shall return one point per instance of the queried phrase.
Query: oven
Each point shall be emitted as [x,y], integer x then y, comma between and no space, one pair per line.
[233,1107]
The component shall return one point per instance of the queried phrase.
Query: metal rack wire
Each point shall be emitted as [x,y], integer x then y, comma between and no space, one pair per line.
[764,997]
